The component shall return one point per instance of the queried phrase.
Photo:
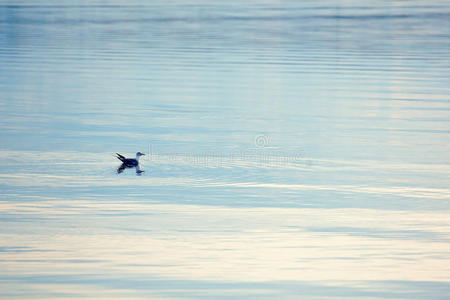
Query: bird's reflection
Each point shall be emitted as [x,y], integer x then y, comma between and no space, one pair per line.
[124,166]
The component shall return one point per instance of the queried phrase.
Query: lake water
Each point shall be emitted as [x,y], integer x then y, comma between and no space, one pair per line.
[295,149]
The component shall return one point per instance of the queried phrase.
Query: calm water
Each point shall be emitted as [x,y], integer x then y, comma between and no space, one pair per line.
[295,150]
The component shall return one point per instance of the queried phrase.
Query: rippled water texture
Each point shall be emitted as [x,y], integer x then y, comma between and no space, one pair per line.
[295,149]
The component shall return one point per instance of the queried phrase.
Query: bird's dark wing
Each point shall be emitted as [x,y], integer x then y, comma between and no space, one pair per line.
[130,162]
[121,157]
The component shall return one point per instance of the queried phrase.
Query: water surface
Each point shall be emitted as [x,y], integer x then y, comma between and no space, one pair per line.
[293,149]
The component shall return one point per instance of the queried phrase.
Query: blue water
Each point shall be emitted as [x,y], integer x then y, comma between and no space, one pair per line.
[294,149]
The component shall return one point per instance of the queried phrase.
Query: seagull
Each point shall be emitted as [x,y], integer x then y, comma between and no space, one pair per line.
[129,163]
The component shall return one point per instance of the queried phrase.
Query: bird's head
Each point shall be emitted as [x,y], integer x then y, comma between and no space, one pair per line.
[139,154]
